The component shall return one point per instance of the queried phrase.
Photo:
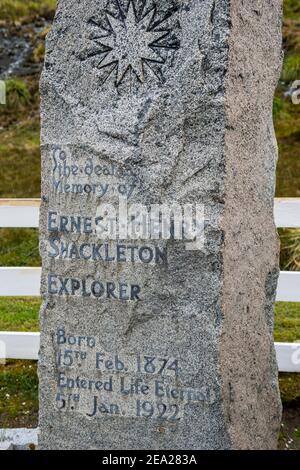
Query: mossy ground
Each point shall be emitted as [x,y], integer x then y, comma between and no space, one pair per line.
[20,165]
[19,314]
[287,322]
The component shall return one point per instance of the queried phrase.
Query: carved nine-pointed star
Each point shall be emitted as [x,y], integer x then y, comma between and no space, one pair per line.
[131,43]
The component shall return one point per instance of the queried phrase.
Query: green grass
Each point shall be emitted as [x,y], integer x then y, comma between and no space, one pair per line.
[291,9]
[19,383]
[289,438]
[287,127]
[20,140]
[21,314]
[290,249]
[291,68]
[17,94]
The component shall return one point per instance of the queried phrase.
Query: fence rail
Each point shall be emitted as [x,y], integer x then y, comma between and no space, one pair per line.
[24,213]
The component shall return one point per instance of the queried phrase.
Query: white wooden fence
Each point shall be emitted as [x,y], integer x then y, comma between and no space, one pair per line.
[26,281]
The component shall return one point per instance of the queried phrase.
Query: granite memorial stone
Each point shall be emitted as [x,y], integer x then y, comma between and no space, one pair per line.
[150,340]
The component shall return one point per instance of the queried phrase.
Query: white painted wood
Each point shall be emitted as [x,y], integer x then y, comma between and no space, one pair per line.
[19,345]
[288,357]
[287,212]
[25,212]
[19,212]
[26,346]
[26,282]
[20,282]
[288,289]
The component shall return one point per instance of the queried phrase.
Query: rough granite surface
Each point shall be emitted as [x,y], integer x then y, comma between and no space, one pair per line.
[176,96]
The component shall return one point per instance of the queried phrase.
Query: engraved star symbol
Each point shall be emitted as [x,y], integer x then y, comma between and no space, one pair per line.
[130,43]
